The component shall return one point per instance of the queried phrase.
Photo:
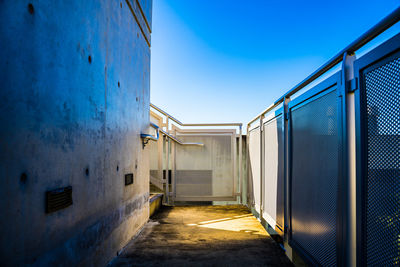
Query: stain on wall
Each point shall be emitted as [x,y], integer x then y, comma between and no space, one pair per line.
[75,91]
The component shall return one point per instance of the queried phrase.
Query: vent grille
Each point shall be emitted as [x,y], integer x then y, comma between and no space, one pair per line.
[128,178]
[58,199]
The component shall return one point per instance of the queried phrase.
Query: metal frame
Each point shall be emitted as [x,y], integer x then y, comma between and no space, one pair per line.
[331,84]
[375,58]
[346,140]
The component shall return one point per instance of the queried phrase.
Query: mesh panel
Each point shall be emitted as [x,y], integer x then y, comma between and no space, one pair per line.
[207,170]
[273,166]
[383,182]
[315,177]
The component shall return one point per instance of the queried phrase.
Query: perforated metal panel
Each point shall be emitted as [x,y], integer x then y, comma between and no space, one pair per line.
[206,172]
[382,207]
[314,184]
[273,172]
[194,183]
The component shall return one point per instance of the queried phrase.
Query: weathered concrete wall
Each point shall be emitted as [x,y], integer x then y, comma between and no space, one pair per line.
[74,96]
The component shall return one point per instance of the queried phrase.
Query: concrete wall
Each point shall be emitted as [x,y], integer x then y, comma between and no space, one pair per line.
[74,96]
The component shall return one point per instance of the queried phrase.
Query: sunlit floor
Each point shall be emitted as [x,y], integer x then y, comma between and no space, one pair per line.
[203,236]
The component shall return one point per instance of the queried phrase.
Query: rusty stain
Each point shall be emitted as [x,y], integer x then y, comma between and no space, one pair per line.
[90,59]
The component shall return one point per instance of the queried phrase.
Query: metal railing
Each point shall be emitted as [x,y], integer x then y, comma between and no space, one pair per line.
[169,117]
[338,127]
[168,154]
[379,28]
[173,138]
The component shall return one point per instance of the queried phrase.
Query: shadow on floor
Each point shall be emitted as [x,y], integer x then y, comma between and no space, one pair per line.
[202,236]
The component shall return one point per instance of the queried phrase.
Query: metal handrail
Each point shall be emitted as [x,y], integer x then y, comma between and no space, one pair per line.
[193,124]
[147,137]
[379,28]
[179,141]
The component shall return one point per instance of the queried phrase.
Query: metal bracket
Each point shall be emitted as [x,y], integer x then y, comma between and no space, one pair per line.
[147,137]
[353,85]
[287,115]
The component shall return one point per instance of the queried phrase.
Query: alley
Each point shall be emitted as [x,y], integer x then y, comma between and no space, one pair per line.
[202,236]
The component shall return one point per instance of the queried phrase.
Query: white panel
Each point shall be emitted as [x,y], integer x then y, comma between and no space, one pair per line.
[254,158]
[271,171]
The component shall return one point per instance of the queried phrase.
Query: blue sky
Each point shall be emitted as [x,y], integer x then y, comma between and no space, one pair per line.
[227,60]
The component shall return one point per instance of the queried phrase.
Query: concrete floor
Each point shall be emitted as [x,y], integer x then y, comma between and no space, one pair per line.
[202,236]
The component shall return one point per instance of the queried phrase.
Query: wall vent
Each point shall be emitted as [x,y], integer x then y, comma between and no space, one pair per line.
[128,178]
[58,199]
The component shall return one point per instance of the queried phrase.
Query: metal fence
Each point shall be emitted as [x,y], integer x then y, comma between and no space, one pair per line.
[324,165]
[196,162]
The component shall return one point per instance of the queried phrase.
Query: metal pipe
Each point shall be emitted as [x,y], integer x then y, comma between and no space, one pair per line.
[240,164]
[167,169]
[379,28]
[261,169]
[165,113]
